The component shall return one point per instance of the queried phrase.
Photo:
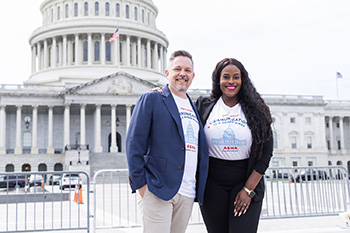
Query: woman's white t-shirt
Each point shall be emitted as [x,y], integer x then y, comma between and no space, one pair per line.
[227,132]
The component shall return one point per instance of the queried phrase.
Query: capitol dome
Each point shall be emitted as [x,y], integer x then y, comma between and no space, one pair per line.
[72,47]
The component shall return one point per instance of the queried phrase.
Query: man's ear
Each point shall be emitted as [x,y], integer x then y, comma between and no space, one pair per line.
[193,75]
[166,73]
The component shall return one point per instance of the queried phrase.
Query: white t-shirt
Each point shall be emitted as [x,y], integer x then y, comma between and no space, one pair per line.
[190,128]
[227,132]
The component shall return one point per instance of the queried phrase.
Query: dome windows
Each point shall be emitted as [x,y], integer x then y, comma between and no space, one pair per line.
[76,9]
[107,8]
[117,10]
[86,9]
[97,9]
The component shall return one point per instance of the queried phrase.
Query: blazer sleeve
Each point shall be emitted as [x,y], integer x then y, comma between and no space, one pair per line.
[263,163]
[137,141]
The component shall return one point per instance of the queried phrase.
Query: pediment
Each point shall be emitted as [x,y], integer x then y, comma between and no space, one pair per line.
[120,83]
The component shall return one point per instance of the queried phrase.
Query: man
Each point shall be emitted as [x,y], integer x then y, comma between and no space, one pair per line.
[167,151]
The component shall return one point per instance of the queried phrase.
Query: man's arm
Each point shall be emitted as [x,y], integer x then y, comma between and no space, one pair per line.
[137,141]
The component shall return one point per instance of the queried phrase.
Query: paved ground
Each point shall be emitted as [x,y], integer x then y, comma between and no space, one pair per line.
[329,224]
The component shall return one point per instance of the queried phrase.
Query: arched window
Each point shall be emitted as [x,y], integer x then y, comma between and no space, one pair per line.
[58,167]
[58,13]
[86,9]
[127,11]
[108,51]
[76,9]
[143,16]
[67,11]
[96,9]
[27,140]
[9,168]
[97,50]
[86,50]
[107,8]
[135,13]
[117,10]
[26,167]
[42,167]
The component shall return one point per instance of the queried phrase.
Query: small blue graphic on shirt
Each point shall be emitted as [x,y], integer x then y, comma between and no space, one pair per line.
[229,139]
[189,136]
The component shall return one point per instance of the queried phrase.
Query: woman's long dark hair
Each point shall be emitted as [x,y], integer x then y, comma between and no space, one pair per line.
[254,107]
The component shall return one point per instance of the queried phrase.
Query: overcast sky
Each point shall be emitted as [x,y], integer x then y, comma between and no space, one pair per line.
[288,47]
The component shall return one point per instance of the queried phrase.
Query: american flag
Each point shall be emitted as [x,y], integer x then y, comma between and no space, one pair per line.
[339,75]
[115,36]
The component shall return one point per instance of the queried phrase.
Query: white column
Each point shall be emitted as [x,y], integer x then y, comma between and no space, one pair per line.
[342,141]
[77,55]
[50,148]
[45,55]
[82,124]
[139,53]
[133,55]
[149,54]
[90,49]
[98,147]
[165,60]
[331,139]
[127,50]
[18,148]
[128,116]
[103,49]
[53,52]
[156,57]
[39,55]
[161,59]
[33,59]
[70,52]
[66,139]
[34,149]
[113,147]
[64,50]
[2,129]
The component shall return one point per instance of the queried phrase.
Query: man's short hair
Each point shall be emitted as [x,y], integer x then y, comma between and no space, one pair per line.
[180,53]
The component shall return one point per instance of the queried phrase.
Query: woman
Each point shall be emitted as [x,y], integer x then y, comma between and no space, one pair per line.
[237,124]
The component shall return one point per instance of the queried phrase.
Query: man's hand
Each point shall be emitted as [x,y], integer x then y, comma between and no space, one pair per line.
[142,190]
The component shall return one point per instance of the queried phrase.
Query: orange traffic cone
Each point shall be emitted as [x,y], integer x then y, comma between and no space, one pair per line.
[76,194]
[80,199]
[42,184]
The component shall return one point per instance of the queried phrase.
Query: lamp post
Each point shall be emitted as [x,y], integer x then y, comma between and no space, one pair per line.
[79,162]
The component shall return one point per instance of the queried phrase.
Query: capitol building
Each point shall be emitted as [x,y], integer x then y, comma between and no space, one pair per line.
[73,111]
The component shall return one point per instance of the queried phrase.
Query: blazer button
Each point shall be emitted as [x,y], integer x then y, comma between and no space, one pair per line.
[182,148]
[180,167]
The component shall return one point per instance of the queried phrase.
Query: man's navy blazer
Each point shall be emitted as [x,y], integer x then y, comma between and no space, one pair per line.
[155,147]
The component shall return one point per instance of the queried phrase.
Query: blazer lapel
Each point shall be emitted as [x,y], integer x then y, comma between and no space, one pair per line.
[172,108]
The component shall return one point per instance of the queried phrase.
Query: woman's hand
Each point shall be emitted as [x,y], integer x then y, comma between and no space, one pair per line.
[159,89]
[241,203]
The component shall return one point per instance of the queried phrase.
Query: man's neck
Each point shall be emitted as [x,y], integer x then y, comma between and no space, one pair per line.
[181,94]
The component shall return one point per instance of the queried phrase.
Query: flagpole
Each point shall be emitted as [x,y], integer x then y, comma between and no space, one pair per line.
[337,87]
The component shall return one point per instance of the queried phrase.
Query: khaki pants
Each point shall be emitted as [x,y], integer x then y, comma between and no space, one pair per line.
[161,216]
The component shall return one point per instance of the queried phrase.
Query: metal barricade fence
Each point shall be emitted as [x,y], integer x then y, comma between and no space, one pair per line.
[44,201]
[305,191]
[290,192]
